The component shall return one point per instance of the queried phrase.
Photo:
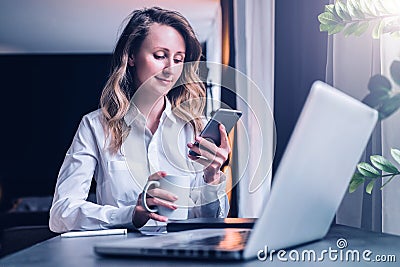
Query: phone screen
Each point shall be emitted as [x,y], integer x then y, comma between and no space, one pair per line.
[227,117]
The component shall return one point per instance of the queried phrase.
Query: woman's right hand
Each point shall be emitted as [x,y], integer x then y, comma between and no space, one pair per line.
[155,197]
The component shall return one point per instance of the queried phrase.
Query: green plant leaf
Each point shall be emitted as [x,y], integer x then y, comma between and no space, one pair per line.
[367,170]
[360,14]
[382,13]
[356,181]
[383,164]
[395,35]
[395,71]
[364,8]
[352,28]
[354,185]
[375,99]
[357,175]
[370,186]
[329,8]
[342,11]
[362,28]
[391,27]
[354,9]
[379,83]
[395,154]
[381,8]
[328,18]
[371,7]
[351,8]
[336,29]
[389,106]
[325,27]
[391,6]
[334,12]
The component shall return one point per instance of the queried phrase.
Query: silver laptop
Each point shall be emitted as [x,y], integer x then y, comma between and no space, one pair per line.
[325,147]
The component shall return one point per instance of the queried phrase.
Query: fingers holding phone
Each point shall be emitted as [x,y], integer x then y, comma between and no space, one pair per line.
[211,148]
[211,132]
[211,156]
[206,149]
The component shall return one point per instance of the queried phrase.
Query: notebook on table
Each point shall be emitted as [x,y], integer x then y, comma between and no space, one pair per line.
[310,182]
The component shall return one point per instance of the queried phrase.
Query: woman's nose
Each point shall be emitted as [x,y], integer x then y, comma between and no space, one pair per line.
[169,64]
[167,70]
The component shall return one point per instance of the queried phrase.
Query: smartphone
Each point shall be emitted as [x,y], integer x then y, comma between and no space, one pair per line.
[228,117]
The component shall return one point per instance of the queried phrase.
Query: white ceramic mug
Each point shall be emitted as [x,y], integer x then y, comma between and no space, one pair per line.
[178,185]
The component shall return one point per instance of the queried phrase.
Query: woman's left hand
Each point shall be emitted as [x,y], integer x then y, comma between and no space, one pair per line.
[212,156]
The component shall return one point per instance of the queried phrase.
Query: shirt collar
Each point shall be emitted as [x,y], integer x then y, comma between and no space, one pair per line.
[168,110]
[133,112]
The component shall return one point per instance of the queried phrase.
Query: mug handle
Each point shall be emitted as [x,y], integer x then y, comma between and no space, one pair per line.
[144,194]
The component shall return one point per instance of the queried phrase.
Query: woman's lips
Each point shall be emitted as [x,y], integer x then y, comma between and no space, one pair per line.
[167,81]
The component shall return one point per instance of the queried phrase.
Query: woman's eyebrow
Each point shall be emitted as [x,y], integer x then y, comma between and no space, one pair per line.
[167,50]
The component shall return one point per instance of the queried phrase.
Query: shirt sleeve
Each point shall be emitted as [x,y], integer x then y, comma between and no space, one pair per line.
[70,210]
[209,201]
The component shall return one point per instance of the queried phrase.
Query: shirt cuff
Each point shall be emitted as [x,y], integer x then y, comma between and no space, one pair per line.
[122,217]
[210,192]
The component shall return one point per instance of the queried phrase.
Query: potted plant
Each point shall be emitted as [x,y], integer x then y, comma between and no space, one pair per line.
[354,17]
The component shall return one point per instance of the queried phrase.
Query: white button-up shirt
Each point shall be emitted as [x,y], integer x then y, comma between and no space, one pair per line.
[121,176]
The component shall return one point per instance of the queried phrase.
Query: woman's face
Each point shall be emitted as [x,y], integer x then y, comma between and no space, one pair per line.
[159,58]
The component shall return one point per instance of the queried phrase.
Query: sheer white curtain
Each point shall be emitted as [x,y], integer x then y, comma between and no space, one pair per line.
[254,26]
[390,50]
[214,57]
[351,62]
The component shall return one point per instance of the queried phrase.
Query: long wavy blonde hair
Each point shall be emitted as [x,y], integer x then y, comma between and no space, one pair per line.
[187,98]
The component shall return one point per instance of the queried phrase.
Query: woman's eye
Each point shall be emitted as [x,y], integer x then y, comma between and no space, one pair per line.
[178,60]
[156,56]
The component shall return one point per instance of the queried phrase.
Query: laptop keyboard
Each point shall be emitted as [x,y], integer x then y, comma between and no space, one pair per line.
[228,241]
[213,240]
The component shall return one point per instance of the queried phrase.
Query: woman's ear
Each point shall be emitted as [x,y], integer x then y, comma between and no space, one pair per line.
[131,61]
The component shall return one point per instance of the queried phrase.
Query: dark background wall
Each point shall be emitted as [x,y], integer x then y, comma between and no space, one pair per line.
[300,59]
[43,98]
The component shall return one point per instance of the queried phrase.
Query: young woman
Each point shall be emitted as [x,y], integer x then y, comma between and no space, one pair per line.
[152,92]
